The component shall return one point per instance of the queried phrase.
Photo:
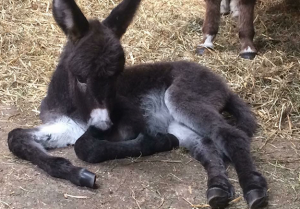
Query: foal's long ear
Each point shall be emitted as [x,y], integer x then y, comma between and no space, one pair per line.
[70,19]
[121,16]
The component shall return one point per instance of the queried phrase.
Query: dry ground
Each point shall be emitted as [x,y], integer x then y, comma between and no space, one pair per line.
[30,43]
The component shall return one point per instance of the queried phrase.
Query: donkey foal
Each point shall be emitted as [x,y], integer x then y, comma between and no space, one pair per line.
[243,10]
[108,111]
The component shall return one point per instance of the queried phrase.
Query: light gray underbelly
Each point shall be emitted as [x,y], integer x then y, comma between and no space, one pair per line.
[159,120]
[156,113]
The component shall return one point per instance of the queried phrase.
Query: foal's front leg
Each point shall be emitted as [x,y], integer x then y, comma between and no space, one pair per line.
[93,149]
[210,26]
[31,145]
[126,137]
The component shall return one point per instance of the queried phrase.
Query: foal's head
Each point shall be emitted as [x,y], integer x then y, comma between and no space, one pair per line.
[93,57]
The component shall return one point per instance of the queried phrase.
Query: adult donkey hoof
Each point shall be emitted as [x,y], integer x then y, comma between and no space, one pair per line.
[87,178]
[248,55]
[200,50]
[257,198]
[218,198]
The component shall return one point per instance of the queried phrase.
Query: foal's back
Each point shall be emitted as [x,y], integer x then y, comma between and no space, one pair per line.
[194,79]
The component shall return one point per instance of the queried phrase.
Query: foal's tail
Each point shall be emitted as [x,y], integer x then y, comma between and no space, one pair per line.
[21,142]
[244,117]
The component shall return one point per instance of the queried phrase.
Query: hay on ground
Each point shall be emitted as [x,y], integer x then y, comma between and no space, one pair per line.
[30,44]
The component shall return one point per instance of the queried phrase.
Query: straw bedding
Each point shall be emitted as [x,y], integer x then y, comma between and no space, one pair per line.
[30,44]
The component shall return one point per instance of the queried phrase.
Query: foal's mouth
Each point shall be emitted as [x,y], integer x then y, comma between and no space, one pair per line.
[99,118]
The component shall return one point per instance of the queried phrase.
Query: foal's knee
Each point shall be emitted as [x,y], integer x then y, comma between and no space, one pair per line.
[18,140]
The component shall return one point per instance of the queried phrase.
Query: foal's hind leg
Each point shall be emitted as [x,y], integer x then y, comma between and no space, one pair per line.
[210,26]
[219,191]
[30,144]
[233,142]
[246,29]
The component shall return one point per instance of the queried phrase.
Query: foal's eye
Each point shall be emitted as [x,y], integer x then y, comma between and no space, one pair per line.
[80,79]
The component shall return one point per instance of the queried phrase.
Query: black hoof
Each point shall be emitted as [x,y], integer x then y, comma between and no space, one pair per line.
[87,178]
[174,141]
[218,198]
[257,198]
[160,143]
[248,55]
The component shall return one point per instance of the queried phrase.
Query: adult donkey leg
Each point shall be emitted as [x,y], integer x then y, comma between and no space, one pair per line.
[225,7]
[92,148]
[219,191]
[246,29]
[234,8]
[30,144]
[210,26]
[234,143]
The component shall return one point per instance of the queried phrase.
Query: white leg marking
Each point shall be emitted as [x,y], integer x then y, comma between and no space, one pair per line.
[62,132]
[225,8]
[234,7]
[208,41]
[187,138]
[248,50]
[100,119]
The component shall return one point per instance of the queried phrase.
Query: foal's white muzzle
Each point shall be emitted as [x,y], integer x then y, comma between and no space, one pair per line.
[100,119]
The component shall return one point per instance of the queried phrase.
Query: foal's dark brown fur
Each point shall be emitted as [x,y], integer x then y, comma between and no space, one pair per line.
[244,10]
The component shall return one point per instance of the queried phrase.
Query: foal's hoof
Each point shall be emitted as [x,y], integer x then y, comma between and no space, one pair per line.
[174,142]
[248,55]
[87,178]
[257,198]
[165,142]
[200,50]
[218,198]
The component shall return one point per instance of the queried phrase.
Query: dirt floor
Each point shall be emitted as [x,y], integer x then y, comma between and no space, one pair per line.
[30,43]
[166,180]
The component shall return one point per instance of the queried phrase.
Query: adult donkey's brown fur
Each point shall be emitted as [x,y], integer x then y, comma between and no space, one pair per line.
[111,111]
[243,10]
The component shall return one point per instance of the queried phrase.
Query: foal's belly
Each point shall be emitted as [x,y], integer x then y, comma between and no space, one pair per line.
[156,113]
[159,120]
